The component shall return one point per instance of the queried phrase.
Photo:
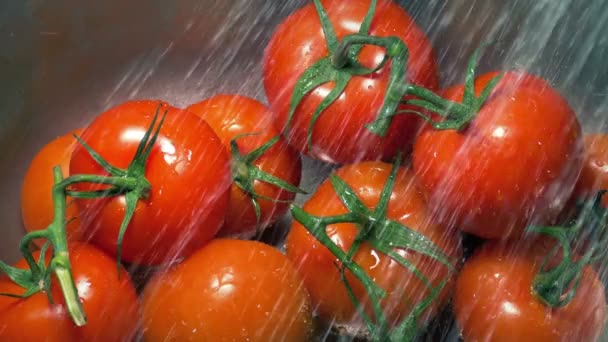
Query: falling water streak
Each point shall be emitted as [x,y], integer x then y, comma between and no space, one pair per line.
[217,65]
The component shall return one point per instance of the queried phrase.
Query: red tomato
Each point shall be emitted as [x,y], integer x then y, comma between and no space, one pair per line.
[318,265]
[36,199]
[516,162]
[494,302]
[110,304]
[230,290]
[339,135]
[189,174]
[234,115]
[594,176]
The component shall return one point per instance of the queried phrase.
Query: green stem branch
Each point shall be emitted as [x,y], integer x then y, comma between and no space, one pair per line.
[24,247]
[60,263]
[126,183]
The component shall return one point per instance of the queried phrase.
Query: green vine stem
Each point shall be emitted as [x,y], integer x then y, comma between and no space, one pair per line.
[38,277]
[385,236]
[341,65]
[245,173]
[556,286]
[130,182]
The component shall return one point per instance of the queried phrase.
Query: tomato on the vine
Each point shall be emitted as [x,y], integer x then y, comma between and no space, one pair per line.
[339,135]
[404,289]
[515,162]
[187,169]
[36,199]
[250,124]
[109,301]
[230,290]
[494,301]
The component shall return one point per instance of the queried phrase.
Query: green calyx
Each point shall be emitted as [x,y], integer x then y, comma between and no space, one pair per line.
[341,65]
[37,278]
[385,236]
[556,286]
[454,115]
[130,182]
[245,173]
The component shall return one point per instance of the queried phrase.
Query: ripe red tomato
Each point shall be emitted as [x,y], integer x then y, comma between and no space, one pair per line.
[189,173]
[594,176]
[494,302]
[516,162]
[110,304]
[339,135]
[230,290]
[36,199]
[404,290]
[234,115]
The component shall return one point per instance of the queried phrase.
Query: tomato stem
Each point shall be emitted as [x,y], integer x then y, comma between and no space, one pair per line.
[245,173]
[60,262]
[37,277]
[557,286]
[383,235]
[124,183]
[24,247]
[342,64]
[130,182]
[455,116]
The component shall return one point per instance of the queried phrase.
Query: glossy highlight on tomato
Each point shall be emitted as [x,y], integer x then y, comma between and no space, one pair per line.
[189,173]
[403,289]
[515,163]
[594,175]
[230,290]
[494,301]
[109,301]
[251,124]
[36,199]
[339,135]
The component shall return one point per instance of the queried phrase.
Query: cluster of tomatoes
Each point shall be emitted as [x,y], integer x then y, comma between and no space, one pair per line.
[376,249]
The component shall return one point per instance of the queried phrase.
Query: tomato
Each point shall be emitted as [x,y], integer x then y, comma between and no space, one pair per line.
[339,135]
[189,173]
[516,162]
[318,265]
[36,200]
[493,299]
[594,176]
[230,290]
[109,302]
[231,116]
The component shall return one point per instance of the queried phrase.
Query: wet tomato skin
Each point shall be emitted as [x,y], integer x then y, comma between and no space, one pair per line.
[110,304]
[230,290]
[339,135]
[494,301]
[234,115]
[189,174]
[36,199]
[516,162]
[594,175]
[318,266]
